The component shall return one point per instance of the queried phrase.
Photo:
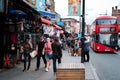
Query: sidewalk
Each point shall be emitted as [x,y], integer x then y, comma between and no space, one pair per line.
[90,73]
[17,74]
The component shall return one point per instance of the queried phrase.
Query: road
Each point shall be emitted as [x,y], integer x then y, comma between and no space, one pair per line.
[107,65]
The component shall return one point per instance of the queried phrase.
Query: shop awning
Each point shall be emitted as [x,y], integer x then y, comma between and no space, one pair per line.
[24,5]
[45,21]
[17,13]
[57,27]
[46,13]
[60,23]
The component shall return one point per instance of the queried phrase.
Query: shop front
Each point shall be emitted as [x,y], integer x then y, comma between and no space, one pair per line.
[17,18]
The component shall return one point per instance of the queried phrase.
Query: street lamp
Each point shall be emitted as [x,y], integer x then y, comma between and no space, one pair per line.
[83,30]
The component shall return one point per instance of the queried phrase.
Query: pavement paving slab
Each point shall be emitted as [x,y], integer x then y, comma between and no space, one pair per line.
[17,74]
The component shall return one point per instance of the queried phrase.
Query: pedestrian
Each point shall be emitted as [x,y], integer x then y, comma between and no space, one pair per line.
[39,49]
[13,53]
[76,47]
[47,51]
[86,50]
[27,47]
[57,53]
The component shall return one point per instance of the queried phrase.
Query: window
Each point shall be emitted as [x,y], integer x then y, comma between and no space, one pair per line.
[106,21]
[108,39]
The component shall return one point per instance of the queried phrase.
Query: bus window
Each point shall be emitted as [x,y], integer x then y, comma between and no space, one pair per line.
[104,39]
[113,40]
[96,37]
[119,40]
[106,21]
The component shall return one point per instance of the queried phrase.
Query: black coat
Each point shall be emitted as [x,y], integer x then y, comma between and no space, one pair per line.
[57,50]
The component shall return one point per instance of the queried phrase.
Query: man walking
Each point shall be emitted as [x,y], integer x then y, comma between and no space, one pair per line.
[86,50]
[39,48]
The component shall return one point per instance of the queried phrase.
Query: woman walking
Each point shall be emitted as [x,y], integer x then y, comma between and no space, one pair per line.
[27,48]
[47,50]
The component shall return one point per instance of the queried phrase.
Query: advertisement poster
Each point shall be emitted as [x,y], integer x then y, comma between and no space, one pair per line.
[74,7]
[40,5]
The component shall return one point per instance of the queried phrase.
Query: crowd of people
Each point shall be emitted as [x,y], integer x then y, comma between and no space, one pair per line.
[51,49]
[48,49]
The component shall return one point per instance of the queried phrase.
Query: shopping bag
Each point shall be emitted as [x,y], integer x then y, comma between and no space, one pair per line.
[33,53]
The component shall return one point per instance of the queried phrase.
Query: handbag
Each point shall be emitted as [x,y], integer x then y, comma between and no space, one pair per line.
[22,57]
[33,53]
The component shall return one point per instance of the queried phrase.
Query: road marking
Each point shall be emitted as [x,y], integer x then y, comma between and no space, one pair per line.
[94,72]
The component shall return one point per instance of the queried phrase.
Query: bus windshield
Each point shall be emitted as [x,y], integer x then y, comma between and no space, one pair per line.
[106,21]
[108,39]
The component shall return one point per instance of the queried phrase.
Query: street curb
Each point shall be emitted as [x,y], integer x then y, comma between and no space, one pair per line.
[94,72]
[118,53]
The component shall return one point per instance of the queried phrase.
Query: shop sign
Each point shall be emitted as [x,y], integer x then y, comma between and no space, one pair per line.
[1,6]
[40,5]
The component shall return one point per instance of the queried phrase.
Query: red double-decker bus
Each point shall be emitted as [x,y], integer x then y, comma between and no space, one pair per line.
[104,34]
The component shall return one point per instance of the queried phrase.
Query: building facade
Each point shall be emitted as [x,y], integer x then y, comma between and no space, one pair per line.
[71,25]
[116,12]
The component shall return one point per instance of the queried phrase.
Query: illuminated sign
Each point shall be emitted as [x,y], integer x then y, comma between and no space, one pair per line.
[107,29]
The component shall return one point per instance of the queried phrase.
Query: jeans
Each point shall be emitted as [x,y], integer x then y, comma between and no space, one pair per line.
[63,47]
[39,58]
[27,58]
[87,55]
[54,62]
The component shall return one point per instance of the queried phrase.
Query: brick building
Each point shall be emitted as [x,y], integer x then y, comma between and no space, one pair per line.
[116,12]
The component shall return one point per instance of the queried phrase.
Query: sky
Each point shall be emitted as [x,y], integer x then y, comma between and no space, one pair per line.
[93,8]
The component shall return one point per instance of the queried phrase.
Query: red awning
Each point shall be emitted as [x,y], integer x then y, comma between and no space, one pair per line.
[45,21]
[57,27]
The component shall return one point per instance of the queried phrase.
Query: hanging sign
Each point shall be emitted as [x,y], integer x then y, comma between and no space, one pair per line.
[74,7]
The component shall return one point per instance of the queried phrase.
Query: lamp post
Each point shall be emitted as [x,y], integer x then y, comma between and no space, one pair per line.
[83,29]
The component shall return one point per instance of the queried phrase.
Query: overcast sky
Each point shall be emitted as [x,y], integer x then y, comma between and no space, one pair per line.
[93,8]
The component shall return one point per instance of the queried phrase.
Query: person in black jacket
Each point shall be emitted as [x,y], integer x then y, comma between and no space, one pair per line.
[39,48]
[57,52]
[86,50]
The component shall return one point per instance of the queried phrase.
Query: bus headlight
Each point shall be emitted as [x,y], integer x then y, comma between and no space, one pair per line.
[98,47]
[116,48]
